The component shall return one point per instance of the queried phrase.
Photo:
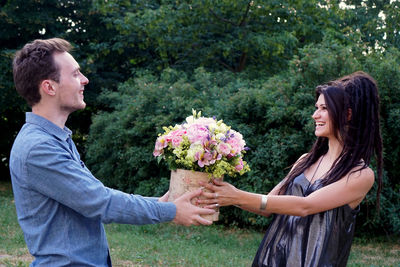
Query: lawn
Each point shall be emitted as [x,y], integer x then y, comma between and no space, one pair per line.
[172,245]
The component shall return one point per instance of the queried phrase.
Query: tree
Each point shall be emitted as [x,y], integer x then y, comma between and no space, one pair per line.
[24,21]
[20,22]
[261,36]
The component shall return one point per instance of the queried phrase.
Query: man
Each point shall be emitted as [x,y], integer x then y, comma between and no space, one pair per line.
[61,206]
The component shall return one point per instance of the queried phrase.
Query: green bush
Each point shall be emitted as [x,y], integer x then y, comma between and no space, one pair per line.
[272,113]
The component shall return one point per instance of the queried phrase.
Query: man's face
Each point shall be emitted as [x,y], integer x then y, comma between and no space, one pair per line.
[71,85]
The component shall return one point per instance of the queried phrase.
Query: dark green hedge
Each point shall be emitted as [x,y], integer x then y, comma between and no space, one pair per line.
[272,113]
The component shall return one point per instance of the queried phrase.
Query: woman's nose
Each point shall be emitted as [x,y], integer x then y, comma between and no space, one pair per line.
[315,114]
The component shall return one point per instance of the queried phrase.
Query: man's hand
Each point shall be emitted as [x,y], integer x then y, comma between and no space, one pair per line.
[189,214]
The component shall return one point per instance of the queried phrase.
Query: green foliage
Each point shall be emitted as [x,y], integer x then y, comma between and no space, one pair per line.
[124,140]
[21,22]
[376,22]
[253,64]
[25,21]
[11,111]
[224,34]
[273,114]
[383,68]
[380,66]
[387,220]
[262,36]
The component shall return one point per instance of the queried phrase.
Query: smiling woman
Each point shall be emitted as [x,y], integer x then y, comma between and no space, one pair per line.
[321,117]
[315,206]
[332,112]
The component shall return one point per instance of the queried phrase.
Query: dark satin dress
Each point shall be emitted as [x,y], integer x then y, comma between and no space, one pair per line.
[322,239]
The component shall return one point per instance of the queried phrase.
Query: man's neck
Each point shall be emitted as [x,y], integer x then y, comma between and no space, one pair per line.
[55,116]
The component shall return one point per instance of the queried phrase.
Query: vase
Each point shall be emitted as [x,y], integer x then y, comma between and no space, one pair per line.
[183,181]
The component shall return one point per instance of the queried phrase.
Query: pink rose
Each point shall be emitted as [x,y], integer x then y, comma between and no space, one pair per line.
[197,134]
[224,148]
[237,143]
[161,143]
[179,132]
[176,141]
[176,137]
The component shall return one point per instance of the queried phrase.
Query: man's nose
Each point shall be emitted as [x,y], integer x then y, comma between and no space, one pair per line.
[84,80]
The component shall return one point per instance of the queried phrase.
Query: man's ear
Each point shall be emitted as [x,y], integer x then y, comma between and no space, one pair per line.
[48,87]
[349,114]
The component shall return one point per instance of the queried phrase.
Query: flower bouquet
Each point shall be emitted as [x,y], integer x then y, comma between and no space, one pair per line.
[200,147]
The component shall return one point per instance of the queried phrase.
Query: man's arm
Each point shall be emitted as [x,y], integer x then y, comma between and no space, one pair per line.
[55,174]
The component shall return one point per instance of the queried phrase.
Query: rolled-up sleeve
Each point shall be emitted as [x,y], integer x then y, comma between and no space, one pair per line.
[53,172]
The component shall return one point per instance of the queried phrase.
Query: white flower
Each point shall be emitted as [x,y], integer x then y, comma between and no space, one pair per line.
[190,120]
[220,136]
[194,148]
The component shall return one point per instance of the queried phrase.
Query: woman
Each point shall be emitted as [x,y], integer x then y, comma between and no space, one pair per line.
[316,204]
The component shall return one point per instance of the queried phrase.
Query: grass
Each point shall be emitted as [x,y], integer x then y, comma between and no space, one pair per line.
[172,245]
[375,252]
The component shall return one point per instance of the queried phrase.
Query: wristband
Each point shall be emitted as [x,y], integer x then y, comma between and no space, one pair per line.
[264,200]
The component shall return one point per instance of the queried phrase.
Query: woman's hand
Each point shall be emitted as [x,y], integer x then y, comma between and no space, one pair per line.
[225,194]
[222,194]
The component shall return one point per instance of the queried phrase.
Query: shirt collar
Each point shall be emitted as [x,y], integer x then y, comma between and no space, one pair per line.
[48,126]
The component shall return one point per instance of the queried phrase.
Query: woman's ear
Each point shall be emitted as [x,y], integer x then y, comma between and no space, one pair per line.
[48,87]
[349,114]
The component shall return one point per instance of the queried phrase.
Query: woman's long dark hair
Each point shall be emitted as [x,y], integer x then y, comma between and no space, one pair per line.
[353,107]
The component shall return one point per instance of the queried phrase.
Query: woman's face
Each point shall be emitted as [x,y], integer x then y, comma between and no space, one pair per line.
[323,125]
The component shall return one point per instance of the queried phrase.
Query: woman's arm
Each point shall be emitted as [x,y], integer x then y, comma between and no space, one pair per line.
[350,190]
[250,208]
[274,191]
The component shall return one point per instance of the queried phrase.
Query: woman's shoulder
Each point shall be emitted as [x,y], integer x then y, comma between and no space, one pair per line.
[361,172]
[299,159]
[302,156]
[362,176]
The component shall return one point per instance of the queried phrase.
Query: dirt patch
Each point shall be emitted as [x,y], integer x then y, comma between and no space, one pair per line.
[14,260]
[5,187]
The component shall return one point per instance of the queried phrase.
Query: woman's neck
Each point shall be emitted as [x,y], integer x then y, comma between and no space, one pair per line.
[335,149]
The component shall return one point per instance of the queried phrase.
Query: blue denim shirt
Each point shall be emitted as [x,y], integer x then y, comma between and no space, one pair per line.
[61,206]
